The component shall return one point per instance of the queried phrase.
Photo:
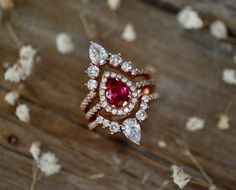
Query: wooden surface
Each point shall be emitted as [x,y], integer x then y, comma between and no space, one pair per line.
[188,75]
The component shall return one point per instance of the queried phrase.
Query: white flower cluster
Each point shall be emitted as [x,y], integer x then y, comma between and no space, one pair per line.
[113,4]
[218,29]
[22,112]
[46,162]
[189,19]
[195,124]
[64,43]
[23,67]
[180,178]
[12,97]
[129,33]
[223,122]
[229,76]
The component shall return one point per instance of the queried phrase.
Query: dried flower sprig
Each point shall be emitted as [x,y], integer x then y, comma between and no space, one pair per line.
[45,164]
[22,69]
[180,178]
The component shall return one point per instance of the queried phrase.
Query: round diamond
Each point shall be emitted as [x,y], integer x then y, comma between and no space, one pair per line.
[134,71]
[115,60]
[126,66]
[145,98]
[97,54]
[92,84]
[141,115]
[93,71]
[114,127]
[99,119]
[131,130]
[106,123]
[144,106]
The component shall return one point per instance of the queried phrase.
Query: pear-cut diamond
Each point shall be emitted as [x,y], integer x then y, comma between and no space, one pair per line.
[132,130]
[97,54]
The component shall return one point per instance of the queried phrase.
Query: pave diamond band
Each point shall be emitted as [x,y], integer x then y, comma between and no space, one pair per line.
[116,99]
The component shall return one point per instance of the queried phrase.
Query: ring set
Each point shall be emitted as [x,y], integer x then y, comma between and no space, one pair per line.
[118,94]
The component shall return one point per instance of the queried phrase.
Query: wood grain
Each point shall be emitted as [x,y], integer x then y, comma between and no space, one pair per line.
[188,75]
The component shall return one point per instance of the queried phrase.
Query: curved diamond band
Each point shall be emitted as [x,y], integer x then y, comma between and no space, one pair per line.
[117,99]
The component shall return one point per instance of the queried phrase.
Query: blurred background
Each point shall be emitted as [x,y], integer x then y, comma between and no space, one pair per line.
[188,141]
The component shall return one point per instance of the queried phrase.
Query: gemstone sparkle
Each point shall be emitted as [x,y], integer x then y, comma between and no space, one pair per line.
[117,93]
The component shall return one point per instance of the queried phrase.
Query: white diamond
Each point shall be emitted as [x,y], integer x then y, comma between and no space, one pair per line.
[115,60]
[114,111]
[92,84]
[113,75]
[99,119]
[114,127]
[132,130]
[120,112]
[134,71]
[97,54]
[126,66]
[106,123]
[143,106]
[93,71]
[124,79]
[145,98]
[108,108]
[141,115]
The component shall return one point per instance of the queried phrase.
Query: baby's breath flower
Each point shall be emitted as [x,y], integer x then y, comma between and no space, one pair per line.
[23,68]
[218,29]
[22,112]
[194,124]
[64,43]
[47,163]
[229,76]
[223,122]
[12,97]
[113,4]
[35,150]
[189,19]
[129,33]
[180,178]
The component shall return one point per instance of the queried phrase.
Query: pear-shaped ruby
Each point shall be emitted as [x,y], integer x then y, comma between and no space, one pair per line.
[117,93]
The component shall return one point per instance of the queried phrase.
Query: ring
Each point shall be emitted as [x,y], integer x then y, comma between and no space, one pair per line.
[118,94]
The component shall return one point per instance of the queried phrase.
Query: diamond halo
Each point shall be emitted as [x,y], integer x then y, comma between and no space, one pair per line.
[117,94]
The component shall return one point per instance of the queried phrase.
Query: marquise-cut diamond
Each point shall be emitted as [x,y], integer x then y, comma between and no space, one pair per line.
[132,130]
[126,66]
[97,54]
[115,60]
[93,71]
[114,127]
[141,115]
[92,84]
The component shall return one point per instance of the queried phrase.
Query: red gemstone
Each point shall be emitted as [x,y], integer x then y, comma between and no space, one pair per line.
[117,93]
